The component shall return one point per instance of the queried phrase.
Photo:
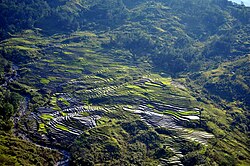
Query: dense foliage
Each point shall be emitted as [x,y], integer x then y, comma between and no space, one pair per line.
[15,151]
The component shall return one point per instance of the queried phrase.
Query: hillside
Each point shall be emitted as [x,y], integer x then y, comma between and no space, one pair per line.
[122,82]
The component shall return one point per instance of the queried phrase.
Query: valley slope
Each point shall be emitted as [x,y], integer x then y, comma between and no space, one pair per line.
[120,82]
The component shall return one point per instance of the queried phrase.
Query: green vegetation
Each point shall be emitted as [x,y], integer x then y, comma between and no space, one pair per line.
[9,105]
[85,75]
[171,113]
[65,102]
[62,127]
[114,144]
[85,114]
[42,128]
[63,113]
[46,116]
[44,81]
[15,151]
[53,101]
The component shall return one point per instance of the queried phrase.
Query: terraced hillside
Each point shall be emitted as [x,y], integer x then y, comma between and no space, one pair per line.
[121,82]
[79,97]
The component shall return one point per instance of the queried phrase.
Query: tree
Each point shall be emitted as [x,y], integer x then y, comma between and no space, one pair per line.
[178,65]
[8,110]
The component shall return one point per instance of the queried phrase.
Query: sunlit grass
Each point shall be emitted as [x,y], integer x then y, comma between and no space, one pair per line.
[46,116]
